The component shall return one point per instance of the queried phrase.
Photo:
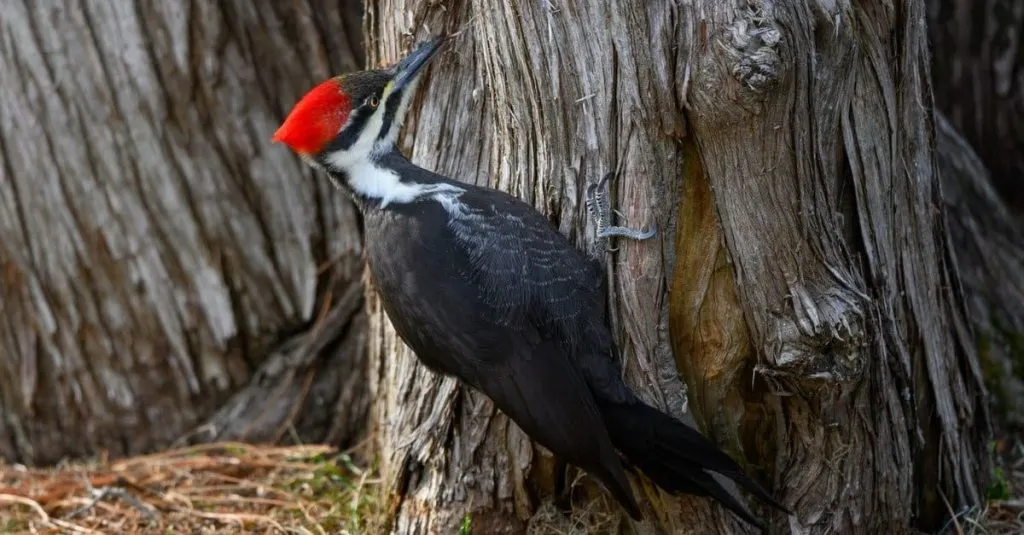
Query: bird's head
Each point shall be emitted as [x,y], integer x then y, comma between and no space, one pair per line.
[351,118]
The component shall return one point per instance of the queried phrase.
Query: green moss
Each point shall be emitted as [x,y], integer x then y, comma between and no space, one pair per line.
[14,525]
[337,480]
[1000,334]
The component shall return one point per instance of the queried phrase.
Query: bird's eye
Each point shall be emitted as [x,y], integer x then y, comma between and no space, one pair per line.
[374,102]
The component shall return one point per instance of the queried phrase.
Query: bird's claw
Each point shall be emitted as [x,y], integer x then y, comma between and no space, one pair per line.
[601,214]
[626,232]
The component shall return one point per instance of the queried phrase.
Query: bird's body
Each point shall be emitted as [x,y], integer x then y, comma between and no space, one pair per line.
[483,288]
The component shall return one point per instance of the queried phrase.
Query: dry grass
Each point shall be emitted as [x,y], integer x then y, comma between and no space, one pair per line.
[1004,512]
[214,488]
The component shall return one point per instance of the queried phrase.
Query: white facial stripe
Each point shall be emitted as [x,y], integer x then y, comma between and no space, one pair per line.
[369,181]
[363,147]
[367,144]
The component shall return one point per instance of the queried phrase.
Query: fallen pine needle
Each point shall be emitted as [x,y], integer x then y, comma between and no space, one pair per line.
[222,487]
[38,509]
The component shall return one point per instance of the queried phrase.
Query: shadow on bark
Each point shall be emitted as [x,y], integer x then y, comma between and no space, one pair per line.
[978,76]
[989,248]
[310,389]
[978,73]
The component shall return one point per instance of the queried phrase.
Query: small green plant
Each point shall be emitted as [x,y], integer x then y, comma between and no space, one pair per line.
[999,488]
[464,529]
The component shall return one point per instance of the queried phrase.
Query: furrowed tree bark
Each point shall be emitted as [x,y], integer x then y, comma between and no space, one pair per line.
[161,264]
[978,72]
[802,285]
[989,246]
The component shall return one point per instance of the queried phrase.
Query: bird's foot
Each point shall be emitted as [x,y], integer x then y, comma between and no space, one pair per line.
[601,214]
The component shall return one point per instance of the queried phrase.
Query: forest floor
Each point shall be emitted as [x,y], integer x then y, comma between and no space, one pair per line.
[213,488]
[234,487]
[1004,512]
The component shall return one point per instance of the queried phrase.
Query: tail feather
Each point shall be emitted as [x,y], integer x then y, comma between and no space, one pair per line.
[716,460]
[677,458]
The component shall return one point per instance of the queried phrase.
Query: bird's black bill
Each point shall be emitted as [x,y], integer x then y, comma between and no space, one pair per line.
[411,65]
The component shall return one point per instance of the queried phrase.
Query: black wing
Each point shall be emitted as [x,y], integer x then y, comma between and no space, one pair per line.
[530,274]
[526,270]
[536,286]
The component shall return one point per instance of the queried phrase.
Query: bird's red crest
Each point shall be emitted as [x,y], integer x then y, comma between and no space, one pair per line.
[315,119]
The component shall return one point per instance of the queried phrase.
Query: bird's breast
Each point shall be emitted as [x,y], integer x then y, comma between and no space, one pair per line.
[420,276]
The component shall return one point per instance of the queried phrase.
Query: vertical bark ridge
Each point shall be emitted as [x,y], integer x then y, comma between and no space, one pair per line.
[155,246]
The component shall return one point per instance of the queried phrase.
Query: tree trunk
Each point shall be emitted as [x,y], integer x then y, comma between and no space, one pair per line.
[803,286]
[161,260]
[990,253]
[978,70]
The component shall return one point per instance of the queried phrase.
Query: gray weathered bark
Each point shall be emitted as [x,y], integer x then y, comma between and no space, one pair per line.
[802,286]
[158,255]
[989,246]
[978,73]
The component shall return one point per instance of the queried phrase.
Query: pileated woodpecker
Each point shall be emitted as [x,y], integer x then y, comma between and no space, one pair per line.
[483,288]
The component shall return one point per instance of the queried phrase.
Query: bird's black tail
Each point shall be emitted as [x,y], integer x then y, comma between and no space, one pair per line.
[676,457]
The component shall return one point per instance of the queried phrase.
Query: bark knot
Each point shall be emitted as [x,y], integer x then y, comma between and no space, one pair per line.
[752,44]
[820,340]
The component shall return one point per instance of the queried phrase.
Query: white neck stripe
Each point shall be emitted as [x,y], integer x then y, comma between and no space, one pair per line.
[368,181]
